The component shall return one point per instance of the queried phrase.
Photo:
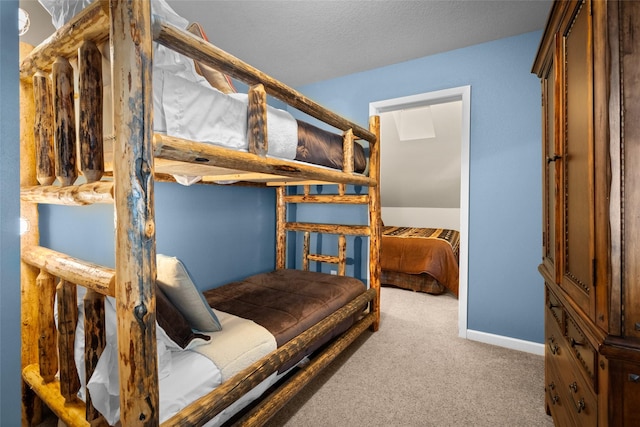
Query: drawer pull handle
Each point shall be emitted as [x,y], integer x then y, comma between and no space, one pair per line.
[575,343]
[634,378]
[554,399]
[580,406]
[553,158]
[552,305]
[553,347]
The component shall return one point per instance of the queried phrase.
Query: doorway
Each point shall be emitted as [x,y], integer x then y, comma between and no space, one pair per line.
[417,103]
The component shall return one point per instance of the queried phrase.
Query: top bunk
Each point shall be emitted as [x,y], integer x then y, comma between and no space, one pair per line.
[176,152]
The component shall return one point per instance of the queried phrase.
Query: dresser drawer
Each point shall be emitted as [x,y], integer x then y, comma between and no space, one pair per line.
[584,353]
[579,398]
[557,404]
[569,395]
[554,307]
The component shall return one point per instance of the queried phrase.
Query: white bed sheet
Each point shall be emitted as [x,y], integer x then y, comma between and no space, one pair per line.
[184,375]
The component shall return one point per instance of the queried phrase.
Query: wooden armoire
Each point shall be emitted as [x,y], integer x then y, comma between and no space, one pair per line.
[589,65]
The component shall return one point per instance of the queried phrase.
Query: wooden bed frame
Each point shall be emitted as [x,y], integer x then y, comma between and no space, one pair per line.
[139,157]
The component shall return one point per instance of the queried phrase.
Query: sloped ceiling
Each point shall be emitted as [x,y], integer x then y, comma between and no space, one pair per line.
[305,41]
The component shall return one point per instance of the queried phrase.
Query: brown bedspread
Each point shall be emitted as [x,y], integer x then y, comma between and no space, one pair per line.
[422,250]
[285,302]
[325,148]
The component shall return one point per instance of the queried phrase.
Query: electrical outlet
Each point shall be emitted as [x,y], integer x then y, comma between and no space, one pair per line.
[334,272]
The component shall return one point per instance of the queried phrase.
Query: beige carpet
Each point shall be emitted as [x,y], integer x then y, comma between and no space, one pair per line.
[415,371]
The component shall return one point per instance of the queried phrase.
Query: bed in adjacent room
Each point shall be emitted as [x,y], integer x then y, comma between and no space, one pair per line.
[420,259]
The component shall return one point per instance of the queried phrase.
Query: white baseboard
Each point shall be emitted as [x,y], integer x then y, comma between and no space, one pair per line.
[507,342]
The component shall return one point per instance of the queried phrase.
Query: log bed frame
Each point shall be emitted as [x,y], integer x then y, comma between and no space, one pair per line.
[140,157]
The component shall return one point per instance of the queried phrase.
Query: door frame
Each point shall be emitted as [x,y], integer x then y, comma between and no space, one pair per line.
[461,93]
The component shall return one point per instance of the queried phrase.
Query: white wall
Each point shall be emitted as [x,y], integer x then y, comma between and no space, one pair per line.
[422,217]
[422,173]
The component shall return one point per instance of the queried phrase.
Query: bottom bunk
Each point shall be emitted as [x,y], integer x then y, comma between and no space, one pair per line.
[221,350]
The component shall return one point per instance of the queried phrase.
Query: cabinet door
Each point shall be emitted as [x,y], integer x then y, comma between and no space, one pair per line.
[549,183]
[577,167]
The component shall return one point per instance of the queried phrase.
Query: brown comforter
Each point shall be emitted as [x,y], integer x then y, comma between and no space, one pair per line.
[422,250]
[287,302]
[325,148]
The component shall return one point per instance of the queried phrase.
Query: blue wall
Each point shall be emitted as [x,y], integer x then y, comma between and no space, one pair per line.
[221,233]
[9,211]
[505,292]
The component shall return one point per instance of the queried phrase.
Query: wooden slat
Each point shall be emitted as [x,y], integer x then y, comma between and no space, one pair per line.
[95,339]
[67,321]
[196,48]
[268,407]
[92,23]
[289,182]
[257,121]
[352,230]
[47,338]
[64,135]
[330,259]
[281,232]
[348,199]
[73,195]
[205,408]
[172,148]
[90,130]
[131,63]
[43,128]
[242,176]
[70,413]
[91,276]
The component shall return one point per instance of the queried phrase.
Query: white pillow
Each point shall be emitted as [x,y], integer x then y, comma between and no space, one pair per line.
[175,282]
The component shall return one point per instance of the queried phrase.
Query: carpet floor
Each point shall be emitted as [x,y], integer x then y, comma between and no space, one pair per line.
[416,371]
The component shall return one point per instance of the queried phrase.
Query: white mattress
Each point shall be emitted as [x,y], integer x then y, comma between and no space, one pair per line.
[184,375]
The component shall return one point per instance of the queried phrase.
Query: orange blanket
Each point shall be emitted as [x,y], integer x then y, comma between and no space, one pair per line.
[407,250]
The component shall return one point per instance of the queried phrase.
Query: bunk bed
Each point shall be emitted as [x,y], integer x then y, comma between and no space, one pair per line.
[148,297]
[420,259]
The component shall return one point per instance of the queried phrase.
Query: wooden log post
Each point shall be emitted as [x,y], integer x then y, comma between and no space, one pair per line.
[47,347]
[29,308]
[65,123]
[258,137]
[131,64]
[95,339]
[90,135]
[43,129]
[375,219]
[342,255]
[67,321]
[305,251]
[347,151]
[281,232]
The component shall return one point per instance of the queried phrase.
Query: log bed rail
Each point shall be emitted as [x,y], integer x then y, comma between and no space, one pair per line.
[48,148]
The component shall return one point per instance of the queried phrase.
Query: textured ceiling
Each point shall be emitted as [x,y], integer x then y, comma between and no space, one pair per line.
[305,41]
